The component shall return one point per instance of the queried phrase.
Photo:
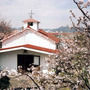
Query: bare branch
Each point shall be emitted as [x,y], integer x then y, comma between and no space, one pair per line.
[85,14]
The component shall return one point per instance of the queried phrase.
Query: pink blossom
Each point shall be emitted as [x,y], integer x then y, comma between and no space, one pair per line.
[81,1]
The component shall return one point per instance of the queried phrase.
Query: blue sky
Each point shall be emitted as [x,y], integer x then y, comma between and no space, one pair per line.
[51,13]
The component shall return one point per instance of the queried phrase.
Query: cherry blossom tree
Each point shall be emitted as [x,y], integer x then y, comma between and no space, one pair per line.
[72,64]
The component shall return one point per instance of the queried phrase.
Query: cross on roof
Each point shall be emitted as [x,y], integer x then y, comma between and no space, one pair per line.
[30,14]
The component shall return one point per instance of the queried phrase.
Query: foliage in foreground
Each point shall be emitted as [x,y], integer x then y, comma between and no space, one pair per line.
[72,65]
[4,82]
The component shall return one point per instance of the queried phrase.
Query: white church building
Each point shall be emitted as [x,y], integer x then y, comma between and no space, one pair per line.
[29,46]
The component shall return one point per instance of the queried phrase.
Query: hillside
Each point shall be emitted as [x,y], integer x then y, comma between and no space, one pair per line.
[60,29]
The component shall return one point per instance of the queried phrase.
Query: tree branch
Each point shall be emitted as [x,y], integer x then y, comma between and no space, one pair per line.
[85,82]
[81,10]
[33,81]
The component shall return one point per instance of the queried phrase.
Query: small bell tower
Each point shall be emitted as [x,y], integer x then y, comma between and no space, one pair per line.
[31,23]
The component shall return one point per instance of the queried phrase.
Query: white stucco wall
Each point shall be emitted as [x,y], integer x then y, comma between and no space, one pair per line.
[35,26]
[9,59]
[29,37]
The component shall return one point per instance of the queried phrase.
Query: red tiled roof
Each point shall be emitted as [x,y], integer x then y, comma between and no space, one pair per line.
[51,36]
[62,33]
[33,47]
[54,33]
[31,20]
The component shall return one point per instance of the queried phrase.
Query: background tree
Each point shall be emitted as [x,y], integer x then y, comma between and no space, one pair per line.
[5,28]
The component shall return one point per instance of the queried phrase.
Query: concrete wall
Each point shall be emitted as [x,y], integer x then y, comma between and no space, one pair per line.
[9,59]
[29,37]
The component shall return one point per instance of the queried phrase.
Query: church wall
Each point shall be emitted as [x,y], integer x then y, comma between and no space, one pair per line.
[39,41]
[29,37]
[14,41]
[9,59]
[34,26]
